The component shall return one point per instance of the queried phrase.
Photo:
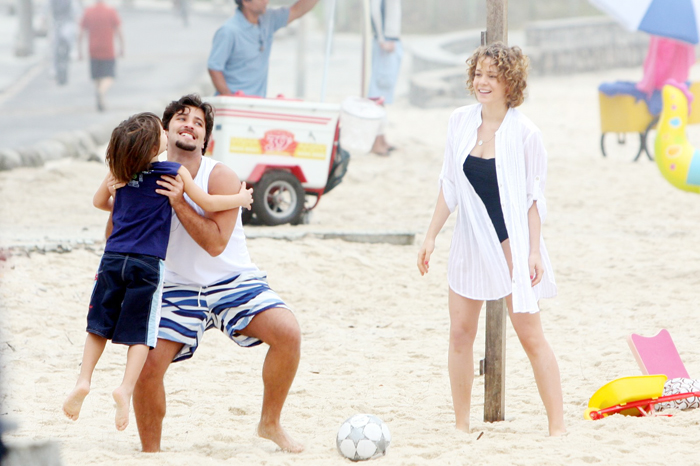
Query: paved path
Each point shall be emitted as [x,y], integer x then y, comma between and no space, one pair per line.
[162,60]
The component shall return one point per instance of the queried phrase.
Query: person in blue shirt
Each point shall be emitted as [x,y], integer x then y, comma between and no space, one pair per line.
[126,298]
[240,54]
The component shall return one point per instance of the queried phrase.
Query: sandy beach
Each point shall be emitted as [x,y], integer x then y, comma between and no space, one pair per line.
[624,244]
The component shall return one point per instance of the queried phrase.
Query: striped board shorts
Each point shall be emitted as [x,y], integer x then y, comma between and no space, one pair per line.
[188,311]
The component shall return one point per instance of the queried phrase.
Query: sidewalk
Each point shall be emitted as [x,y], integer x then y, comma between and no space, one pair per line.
[15,69]
[162,61]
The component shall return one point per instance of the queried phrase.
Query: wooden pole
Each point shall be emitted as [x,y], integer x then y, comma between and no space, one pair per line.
[496,311]
[495,361]
[496,21]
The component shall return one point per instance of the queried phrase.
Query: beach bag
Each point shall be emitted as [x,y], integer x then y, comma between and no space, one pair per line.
[680,385]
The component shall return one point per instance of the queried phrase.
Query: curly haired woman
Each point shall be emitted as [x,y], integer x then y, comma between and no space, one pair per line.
[494,173]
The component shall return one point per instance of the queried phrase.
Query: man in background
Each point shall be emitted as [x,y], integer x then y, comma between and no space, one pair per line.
[102,24]
[386,60]
[240,54]
[64,15]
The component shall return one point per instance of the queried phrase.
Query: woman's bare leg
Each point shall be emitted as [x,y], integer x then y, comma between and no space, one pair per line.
[544,365]
[464,321]
[528,327]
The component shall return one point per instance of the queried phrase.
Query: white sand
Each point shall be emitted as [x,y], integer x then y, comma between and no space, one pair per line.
[624,244]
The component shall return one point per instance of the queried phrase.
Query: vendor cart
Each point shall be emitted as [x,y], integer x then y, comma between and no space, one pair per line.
[286,149]
[289,150]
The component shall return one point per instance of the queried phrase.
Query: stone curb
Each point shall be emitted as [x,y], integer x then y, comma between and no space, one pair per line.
[57,246]
[84,144]
[398,238]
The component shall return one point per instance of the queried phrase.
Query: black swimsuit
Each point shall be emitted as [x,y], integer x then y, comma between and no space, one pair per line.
[481,173]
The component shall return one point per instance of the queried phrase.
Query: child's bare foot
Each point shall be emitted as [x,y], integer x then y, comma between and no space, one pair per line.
[123,401]
[277,434]
[74,401]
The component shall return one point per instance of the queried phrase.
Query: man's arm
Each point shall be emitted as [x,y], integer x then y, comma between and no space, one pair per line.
[217,78]
[213,230]
[300,8]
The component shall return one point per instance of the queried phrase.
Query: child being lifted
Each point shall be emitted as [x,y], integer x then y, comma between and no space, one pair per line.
[126,299]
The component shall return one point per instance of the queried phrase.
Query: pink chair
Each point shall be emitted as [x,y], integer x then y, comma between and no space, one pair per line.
[657,355]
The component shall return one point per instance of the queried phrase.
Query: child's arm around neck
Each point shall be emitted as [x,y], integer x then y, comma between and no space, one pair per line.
[215,202]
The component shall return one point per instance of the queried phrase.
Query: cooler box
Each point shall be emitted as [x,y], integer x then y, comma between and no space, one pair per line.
[251,133]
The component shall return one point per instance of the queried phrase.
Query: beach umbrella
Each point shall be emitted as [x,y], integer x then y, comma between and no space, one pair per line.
[675,19]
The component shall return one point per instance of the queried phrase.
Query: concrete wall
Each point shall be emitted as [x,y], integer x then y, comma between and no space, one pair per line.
[438,16]
[582,44]
[562,46]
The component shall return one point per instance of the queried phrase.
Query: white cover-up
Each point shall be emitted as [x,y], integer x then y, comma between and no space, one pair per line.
[477,267]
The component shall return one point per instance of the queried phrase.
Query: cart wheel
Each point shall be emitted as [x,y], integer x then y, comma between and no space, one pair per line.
[278,198]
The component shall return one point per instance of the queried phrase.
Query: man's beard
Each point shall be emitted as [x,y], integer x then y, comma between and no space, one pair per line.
[190,147]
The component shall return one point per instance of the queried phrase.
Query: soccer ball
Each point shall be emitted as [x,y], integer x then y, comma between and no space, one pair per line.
[363,437]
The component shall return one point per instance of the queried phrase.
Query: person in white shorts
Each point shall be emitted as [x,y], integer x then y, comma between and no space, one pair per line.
[210,281]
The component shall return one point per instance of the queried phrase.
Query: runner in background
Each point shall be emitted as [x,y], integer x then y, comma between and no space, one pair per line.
[102,24]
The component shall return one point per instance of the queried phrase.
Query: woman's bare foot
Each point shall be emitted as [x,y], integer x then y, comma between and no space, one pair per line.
[123,400]
[74,400]
[557,432]
[463,427]
[277,434]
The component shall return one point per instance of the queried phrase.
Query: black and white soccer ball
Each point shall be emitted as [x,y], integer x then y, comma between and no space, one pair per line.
[363,437]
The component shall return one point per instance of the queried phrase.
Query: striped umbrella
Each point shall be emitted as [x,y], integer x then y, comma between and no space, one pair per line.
[675,19]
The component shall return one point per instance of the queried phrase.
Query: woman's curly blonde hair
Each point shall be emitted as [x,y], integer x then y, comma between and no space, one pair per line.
[512,69]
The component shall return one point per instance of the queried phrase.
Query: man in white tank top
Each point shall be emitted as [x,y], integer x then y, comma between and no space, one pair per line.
[211,281]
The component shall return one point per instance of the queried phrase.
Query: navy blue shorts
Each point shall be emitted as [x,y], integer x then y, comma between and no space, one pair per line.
[125,303]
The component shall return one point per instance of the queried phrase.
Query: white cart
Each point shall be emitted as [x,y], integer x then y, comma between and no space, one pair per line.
[286,149]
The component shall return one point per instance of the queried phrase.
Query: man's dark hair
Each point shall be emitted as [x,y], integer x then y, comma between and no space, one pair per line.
[239,3]
[133,144]
[180,106]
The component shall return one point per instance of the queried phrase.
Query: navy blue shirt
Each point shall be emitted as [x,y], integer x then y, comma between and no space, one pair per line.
[141,217]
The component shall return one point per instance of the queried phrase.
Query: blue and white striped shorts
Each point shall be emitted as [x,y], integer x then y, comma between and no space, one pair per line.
[188,311]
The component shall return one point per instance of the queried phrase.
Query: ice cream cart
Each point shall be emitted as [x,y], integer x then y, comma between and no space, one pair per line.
[287,149]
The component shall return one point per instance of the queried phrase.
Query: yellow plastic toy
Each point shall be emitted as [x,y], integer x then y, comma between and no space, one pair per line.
[677,159]
[630,396]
